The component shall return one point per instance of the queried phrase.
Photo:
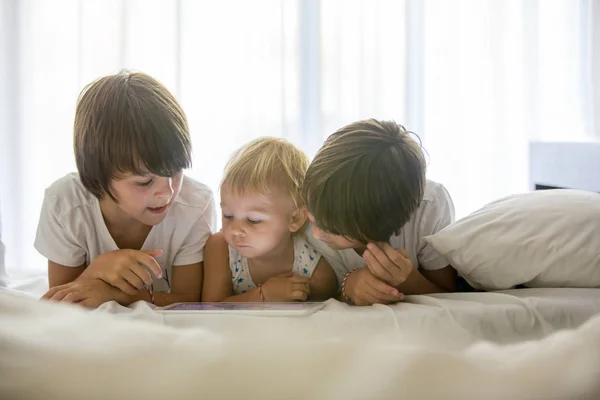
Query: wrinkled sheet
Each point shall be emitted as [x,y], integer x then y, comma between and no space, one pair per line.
[459,318]
[434,346]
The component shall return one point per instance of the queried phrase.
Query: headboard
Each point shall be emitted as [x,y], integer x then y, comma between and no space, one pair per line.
[564,165]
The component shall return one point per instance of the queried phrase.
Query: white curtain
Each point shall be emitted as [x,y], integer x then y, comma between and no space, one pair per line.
[475,79]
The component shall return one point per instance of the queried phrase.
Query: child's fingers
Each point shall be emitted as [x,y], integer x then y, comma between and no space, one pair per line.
[61,294]
[142,274]
[299,295]
[131,277]
[382,257]
[302,286]
[398,257]
[370,296]
[149,262]
[153,253]
[366,299]
[375,266]
[125,286]
[73,297]
[383,291]
[51,292]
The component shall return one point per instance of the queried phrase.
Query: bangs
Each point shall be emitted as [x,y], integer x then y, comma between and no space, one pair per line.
[266,165]
[366,181]
[128,123]
[147,137]
[339,210]
[352,198]
[243,181]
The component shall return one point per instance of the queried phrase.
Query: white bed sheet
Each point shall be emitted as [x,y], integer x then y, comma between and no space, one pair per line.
[445,320]
[52,351]
[458,318]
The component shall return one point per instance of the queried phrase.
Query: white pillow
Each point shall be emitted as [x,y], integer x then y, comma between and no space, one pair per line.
[548,238]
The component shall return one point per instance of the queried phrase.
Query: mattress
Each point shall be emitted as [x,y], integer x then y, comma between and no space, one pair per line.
[429,347]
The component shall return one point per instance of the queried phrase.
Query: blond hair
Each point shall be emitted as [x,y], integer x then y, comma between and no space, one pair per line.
[265,164]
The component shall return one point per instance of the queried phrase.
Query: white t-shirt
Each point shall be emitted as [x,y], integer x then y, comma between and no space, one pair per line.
[435,212]
[72,231]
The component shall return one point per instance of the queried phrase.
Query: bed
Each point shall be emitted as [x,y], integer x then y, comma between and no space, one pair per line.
[522,343]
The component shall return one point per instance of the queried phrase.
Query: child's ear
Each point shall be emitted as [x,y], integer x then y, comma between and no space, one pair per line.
[298,219]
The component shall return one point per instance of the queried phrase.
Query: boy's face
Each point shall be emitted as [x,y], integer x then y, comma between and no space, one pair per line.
[257,225]
[146,198]
[335,242]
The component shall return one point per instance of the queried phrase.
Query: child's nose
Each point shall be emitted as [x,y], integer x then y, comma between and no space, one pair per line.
[166,189]
[237,228]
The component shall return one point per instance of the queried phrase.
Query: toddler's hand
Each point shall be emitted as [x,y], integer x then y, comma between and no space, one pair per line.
[124,269]
[286,287]
[364,289]
[390,265]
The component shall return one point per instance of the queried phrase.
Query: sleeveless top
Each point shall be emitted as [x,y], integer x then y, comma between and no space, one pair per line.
[306,258]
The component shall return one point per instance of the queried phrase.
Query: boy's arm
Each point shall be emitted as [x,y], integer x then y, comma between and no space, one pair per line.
[92,292]
[61,274]
[64,251]
[444,278]
[434,268]
[323,284]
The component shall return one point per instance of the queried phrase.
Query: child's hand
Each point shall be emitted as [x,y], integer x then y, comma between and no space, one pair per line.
[364,289]
[89,293]
[286,287]
[392,266]
[124,269]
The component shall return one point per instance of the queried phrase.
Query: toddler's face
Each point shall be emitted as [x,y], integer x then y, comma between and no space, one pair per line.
[256,224]
[335,242]
[147,198]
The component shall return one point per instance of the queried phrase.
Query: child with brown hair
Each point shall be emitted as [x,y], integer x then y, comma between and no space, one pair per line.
[262,253]
[130,226]
[371,207]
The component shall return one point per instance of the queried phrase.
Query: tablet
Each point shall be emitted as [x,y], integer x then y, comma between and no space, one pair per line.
[253,309]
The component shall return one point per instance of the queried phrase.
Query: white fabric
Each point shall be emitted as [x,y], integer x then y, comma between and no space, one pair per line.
[547,238]
[306,259]
[72,230]
[340,352]
[453,319]
[435,213]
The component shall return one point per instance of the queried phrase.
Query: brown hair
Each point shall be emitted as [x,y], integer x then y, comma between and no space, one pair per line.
[267,163]
[366,181]
[124,123]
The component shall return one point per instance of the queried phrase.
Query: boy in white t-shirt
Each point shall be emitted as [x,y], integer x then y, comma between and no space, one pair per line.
[129,226]
[371,208]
